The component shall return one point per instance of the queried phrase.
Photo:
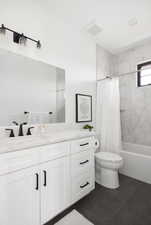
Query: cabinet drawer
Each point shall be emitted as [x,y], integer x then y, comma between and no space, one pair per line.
[13,161]
[54,151]
[81,145]
[81,186]
[81,162]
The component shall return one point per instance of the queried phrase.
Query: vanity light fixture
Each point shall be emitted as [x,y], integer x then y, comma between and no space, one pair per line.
[22,39]
[38,44]
[18,37]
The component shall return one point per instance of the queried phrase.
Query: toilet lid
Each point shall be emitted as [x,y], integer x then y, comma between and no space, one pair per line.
[108,156]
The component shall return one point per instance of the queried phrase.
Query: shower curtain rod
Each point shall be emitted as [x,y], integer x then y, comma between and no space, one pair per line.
[123,74]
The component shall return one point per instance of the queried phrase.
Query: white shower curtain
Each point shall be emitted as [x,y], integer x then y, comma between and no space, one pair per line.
[108,122]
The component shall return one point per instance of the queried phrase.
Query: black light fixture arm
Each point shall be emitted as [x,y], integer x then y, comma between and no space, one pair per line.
[3,29]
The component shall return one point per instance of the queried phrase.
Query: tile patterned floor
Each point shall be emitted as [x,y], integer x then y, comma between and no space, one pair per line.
[128,205]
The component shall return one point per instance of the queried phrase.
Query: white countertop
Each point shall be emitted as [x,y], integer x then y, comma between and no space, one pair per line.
[26,142]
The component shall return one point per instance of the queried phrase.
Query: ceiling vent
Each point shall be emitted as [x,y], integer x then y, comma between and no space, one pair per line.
[94,29]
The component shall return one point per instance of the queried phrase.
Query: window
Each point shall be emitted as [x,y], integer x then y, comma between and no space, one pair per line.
[144,74]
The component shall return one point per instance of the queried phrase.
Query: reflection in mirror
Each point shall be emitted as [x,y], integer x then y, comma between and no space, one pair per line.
[30,91]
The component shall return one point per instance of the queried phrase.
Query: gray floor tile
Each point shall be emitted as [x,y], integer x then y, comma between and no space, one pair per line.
[128,205]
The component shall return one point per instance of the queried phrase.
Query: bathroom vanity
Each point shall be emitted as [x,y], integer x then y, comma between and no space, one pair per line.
[37,183]
[42,172]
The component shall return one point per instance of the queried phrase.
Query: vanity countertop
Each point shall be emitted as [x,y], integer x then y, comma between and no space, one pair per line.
[27,142]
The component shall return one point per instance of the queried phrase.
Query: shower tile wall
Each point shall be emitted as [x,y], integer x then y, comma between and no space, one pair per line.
[135,102]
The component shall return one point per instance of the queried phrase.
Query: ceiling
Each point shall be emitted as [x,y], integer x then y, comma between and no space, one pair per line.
[112,16]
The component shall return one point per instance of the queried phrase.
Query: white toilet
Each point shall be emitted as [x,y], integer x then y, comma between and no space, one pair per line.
[107,166]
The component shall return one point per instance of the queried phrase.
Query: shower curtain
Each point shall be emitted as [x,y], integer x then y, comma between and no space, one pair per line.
[108,122]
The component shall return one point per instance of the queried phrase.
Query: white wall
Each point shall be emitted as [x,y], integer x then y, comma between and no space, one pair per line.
[104,63]
[62,46]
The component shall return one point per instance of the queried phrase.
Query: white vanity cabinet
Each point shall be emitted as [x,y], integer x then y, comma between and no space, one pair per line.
[39,183]
[55,188]
[82,168]
[19,198]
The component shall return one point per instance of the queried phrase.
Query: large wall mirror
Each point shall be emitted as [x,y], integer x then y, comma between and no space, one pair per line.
[30,91]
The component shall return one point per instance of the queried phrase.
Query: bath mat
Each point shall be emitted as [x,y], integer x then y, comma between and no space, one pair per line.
[74,218]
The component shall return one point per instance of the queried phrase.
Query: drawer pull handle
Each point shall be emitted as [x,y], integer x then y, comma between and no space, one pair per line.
[84,144]
[45,178]
[86,161]
[37,181]
[83,186]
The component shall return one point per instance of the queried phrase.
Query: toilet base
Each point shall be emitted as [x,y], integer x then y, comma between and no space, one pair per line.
[107,178]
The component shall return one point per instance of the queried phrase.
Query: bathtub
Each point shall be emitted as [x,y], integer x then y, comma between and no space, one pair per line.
[137,162]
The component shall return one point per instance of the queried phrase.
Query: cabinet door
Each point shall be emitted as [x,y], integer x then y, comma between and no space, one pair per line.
[55,188]
[19,198]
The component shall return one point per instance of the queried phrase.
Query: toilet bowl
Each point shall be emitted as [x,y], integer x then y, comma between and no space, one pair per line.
[107,166]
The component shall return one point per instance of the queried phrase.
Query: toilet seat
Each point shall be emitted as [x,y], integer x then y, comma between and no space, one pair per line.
[108,156]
